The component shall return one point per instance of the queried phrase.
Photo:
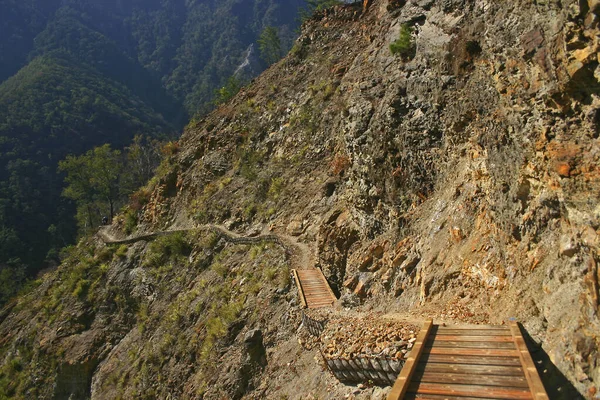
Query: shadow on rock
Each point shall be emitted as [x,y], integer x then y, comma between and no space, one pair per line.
[556,384]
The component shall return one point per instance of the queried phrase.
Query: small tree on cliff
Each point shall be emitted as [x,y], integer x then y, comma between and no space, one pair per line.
[269,45]
[93,180]
[405,44]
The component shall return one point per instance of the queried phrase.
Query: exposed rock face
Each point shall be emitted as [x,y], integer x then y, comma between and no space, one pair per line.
[460,184]
[250,65]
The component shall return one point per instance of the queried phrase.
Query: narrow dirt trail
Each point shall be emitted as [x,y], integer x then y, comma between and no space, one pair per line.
[301,255]
[313,287]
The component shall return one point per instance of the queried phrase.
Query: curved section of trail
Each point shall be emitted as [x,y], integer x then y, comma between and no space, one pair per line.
[313,288]
[300,253]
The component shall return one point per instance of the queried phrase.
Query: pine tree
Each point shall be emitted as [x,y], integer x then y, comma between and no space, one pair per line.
[269,45]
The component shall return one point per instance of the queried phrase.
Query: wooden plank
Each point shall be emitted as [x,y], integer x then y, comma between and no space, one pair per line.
[472,360]
[317,301]
[471,327]
[327,285]
[472,352]
[536,387]
[471,390]
[401,385]
[301,294]
[472,379]
[478,332]
[319,297]
[470,369]
[470,345]
[419,396]
[312,279]
[460,338]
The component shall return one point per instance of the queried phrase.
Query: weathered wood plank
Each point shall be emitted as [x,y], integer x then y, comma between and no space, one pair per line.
[327,285]
[536,387]
[299,286]
[471,327]
[473,360]
[419,396]
[470,369]
[471,390]
[434,342]
[314,288]
[478,332]
[472,379]
[401,385]
[465,338]
[472,352]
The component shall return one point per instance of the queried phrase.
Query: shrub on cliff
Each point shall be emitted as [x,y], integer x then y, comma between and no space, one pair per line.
[404,45]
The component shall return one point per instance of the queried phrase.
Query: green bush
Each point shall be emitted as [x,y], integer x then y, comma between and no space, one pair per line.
[121,251]
[226,92]
[276,188]
[404,45]
[167,248]
[131,221]
[249,162]
[81,289]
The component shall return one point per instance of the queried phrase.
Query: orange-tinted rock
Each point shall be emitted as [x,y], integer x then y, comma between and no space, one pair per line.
[457,234]
[376,250]
[376,266]
[360,289]
[351,282]
[563,169]
[366,262]
[399,259]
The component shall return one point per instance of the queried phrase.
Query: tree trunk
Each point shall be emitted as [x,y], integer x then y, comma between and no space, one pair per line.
[89,213]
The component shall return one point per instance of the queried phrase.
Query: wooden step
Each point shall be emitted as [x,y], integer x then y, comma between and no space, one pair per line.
[470,390]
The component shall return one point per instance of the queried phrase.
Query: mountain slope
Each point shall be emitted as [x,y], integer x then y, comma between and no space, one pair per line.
[453,183]
[95,72]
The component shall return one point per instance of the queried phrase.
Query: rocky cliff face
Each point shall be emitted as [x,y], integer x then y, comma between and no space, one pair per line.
[457,182]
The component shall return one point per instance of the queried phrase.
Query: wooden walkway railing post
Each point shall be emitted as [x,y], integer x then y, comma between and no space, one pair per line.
[401,386]
[299,286]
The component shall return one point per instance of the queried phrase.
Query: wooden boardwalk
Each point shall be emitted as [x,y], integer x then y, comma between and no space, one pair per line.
[313,289]
[469,362]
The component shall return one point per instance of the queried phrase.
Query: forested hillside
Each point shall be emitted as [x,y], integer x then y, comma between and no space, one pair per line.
[75,74]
